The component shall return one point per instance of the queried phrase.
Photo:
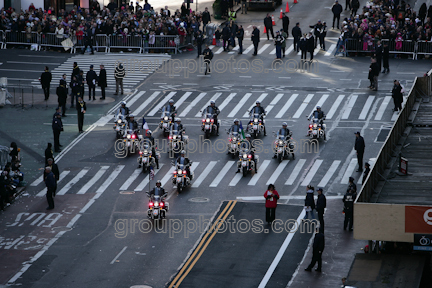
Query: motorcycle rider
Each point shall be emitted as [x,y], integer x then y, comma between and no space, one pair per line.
[257,109]
[171,109]
[321,115]
[124,110]
[247,144]
[185,162]
[177,126]
[282,132]
[132,124]
[158,190]
[235,127]
[214,110]
[149,139]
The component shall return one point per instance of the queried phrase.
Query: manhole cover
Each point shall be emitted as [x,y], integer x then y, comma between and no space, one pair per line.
[127,192]
[199,199]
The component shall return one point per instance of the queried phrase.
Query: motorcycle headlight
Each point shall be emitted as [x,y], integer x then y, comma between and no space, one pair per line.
[166,118]
[145,153]
[234,139]
[244,156]
[174,137]
[119,121]
[128,136]
[207,120]
[280,142]
[255,120]
[156,204]
[315,125]
[179,171]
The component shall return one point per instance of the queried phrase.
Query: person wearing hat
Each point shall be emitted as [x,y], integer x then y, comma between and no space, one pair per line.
[102,80]
[62,92]
[55,170]
[320,207]
[322,35]
[45,81]
[285,23]
[397,95]
[366,172]
[303,47]
[285,37]
[297,34]
[91,82]
[317,31]
[247,145]
[278,43]
[336,10]
[81,110]
[119,74]
[348,201]
[359,146]
[57,127]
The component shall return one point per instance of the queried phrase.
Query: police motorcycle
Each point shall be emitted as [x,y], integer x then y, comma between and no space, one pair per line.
[208,124]
[283,146]
[180,177]
[234,140]
[246,161]
[177,140]
[131,139]
[119,125]
[146,157]
[316,127]
[157,207]
[256,124]
[166,122]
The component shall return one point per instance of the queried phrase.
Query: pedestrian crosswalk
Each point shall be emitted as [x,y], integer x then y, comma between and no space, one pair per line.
[212,174]
[137,67]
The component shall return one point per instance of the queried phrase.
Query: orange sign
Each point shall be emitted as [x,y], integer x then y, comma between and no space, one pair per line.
[418,219]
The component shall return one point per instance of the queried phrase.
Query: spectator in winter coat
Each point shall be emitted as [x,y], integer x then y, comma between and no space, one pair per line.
[271,196]
[309,202]
[320,207]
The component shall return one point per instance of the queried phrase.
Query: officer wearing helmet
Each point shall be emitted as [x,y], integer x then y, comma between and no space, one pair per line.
[214,110]
[149,139]
[177,128]
[284,131]
[258,109]
[171,109]
[321,115]
[123,110]
[183,160]
[132,124]
[248,146]
[235,127]
[158,190]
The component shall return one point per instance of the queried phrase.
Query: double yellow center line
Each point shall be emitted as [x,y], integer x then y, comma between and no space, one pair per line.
[205,241]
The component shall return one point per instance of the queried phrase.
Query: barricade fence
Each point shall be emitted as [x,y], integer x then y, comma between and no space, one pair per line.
[395,47]
[2,40]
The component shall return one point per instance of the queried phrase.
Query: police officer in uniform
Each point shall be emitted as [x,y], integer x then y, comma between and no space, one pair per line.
[248,145]
[57,127]
[186,162]
[81,110]
[348,201]
[260,110]
[171,109]
[151,141]
[45,80]
[158,190]
[214,110]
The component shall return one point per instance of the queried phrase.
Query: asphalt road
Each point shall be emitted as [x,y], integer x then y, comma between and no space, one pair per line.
[97,234]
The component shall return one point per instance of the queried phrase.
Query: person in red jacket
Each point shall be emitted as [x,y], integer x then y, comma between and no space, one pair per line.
[271,196]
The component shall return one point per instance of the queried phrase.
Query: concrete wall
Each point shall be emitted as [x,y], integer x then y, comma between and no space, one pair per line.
[382,222]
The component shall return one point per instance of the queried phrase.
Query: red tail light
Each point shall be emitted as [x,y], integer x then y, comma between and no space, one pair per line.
[161,204]
[140,152]
[133,136]
[212,120]
[310,126]
[170,137]
[249,156]
[151,204]
[203,120]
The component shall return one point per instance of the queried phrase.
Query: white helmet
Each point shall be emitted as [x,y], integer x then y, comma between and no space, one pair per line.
[284,124]
[183,152]
[236,120]
[177,120]
[131,115]
[248,136]
[171,101]
[149,132]
[318,107]
[257,102]
[123,103]
[212,102]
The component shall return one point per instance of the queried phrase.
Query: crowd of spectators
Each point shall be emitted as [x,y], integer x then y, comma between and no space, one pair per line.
[128,19]
[389,19]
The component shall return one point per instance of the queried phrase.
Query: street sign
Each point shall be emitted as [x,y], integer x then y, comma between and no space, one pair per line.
[423,242]
[403,165]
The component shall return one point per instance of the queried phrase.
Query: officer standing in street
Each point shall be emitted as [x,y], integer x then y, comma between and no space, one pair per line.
[351,184]
[81,110]
[268,24]
[50,183]
[91,82]
[240,36]
[297,34]
[366,172]
[322,35]
[57,127]
[320,207]
[348,201]
[318,248]
[285,23]
[359,146]
[102,80]
[317,31]
[62,92]
[255,39]
[45,80]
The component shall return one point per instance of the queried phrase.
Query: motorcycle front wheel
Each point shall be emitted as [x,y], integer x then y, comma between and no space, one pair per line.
[245,170]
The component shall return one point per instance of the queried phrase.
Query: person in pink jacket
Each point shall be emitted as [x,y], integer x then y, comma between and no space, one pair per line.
[271,196]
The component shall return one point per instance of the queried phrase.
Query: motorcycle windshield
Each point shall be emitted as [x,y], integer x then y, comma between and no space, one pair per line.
[165,113]
[234,133]
[210,110]
[256,110]
[315,114]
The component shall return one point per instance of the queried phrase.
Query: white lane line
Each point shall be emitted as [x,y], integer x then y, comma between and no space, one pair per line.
[219,51]
[296,172]
[145,104]
[289,50]
[248,49]
[226,101]
[310,176]
[329,174]
[215,97]
[168,176]
[317,50]
[182,99]
[222,174]
[261,98]
[95,178]
[73,181]
[273,52]
[62,176]
[109,180]
[277,172]
[37,181]
[263,48]
[350,106]
[240,104]
[349,171]
[382,108]
[257,175]
[273,103]
[303,106]
[134,99]
[118,255]
[280,253]
[334,107]
[286,106]
[236,179]
[330,50]
[366,107]
[204,174]
[192,104]
[131,179]
[145,182]
[320,102]
[161,103]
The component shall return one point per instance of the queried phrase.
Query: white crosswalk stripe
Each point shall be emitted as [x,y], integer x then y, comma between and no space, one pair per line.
[396,113]
[236,179]
[182,99]
[161,103]
[260,171]
[250,48]
[286,106]
[144,105]
[296,172]
[310,176]
[277,172]
[131,179]
[334,107]
[350,106]
[135,98]
[239,105]
[329,173]
[75,180]
[145,182]
[215,97]
[109,180]
[193,104]
[95,178]
[222,173]
[366,107]
[349,171]
[263,48]
[272,103]
[226,101]
[303,106]
[320,102]
[204,174]
[61,177]
[382,108]
[330,50]
[219,51]
[260,99]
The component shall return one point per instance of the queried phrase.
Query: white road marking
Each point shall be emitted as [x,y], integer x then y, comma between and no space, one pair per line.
[109,180]
[131,179]
[320,102]
[215,97]
[222,174]
[226,101]
[277,172]
[261,98]
[366,107]
[146,103]
[303,106]
[272,103]
[260,171]
[310,176]
[263,48]
[182,99]
[348,109]
[61,177]
[329,174]
[95,178]
[192,104]
[240,104]
[334,107]
[145,182]
[75,180]
[295,172]
[382,108]
[204,174]
[236,179]
[329,52]
[287,105]
[161,103]
[250,48]
[349,171]
[118,255]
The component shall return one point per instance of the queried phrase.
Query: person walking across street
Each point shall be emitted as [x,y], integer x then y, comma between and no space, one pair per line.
[102,80]
[255,39]
[91,82]
[297,34]
[268,24]
[309,202]
[373,74]
[285,37]
[50,183]
[348,201]
[278,43]
[119,74]
[397,96]
[81,110]
[320,207]
[285,23]
[336,10]
[240,36]
[359,146]
[385,57]
[45,81]
[317,250]
[271,196]
[62,92]
[57,127]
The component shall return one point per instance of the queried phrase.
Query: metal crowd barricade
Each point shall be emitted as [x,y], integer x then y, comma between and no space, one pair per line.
[22,38]
[164,42]
[353,45]
[125,42]
[2,40]
[424,48]
[52,39]
[99,41]
[408,47]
